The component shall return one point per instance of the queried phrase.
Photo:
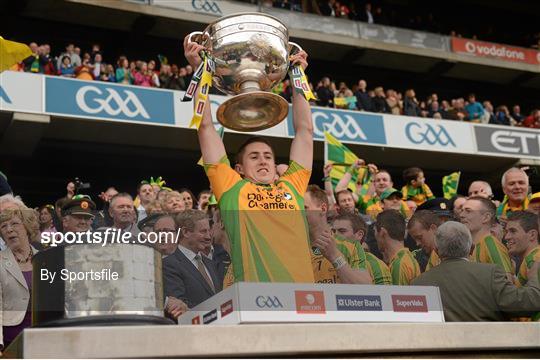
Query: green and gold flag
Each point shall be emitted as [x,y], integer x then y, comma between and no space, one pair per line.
[220,131]
[337,153]
[450,185]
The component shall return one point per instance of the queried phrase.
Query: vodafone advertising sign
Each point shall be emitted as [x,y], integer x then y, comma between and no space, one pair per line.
[497,51]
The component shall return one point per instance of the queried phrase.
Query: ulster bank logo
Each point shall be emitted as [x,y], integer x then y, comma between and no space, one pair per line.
[419,133]
[93,100]
[207,6]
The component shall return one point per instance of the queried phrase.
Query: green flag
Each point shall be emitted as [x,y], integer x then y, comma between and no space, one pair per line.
[220,131]
[450,185]
[337,153]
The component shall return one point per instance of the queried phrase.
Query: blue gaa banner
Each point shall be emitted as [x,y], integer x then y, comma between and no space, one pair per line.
[108,101]
[347,126]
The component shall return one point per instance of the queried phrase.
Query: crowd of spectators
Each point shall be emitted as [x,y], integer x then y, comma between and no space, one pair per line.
[417,18]
[92,66]
[384,221]
[359,97]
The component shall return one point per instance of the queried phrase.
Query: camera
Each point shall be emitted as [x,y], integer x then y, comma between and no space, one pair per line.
[80,185]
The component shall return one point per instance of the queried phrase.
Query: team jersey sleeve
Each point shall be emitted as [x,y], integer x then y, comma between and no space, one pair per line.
[498,254]
[402,273]
[378,270]
[428,192]
[221,176]
[297,176]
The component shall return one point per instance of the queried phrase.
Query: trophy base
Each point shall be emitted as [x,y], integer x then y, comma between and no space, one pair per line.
[253,111]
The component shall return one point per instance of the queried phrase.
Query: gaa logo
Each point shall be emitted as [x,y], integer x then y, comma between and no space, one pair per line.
[111,103]
[268,302]
[425,133]
[339,126]
[208,6]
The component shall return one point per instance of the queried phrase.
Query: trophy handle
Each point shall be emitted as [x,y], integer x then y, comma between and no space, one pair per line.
[294,46]
[198,37]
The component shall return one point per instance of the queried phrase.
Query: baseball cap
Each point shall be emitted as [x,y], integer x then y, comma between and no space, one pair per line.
[535,197]
[440,206]
[79,205]
[389,192]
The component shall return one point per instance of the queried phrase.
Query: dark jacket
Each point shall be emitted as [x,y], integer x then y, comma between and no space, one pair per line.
[184,281]
[473,291]
[363,101]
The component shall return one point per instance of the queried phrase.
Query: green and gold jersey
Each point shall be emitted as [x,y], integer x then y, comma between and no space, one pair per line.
[528,261]
[404,267]
[379,271]
[433,261]
[418,195]
[491,251]
[323,270]
[265,223]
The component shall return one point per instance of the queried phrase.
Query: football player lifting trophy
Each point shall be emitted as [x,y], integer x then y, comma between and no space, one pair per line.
[246,55]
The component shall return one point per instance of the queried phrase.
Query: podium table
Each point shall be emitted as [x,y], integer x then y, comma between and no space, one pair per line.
[274,340]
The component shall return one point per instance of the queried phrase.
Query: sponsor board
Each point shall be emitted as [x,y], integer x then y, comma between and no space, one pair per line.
[21,92]
[496,51]
[346,126]
[392,35]
[310,302]
[207,7]
[226,308]
[210,316]
[498,140]
[409,303]
[426,134]
[268,302]
[358,303]
[101,100]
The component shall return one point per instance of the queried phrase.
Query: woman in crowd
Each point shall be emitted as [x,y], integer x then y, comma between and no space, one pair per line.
[123,75]
[86,70]
[153,73]
[141,75]
[173,202]
[107,73]
[188,197]
[18,228]
[46,215]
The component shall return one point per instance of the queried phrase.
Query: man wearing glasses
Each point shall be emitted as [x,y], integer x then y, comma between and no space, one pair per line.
[478,215]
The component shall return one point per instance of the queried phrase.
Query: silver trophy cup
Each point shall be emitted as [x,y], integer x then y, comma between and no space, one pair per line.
[251,54]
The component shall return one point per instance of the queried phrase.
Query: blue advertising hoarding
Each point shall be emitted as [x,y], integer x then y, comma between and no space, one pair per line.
[346,126]
[101,100]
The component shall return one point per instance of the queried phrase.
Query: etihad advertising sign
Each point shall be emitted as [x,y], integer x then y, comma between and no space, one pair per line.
[496,51]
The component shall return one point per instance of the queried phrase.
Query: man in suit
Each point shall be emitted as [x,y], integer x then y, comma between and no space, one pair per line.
[188,275]
[472,291]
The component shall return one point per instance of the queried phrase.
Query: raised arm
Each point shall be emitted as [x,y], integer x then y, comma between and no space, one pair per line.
[212,147]
[302,145]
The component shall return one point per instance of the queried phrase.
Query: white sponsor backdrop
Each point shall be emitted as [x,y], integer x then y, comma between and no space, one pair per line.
[21,92]
[428,134]
[245,303]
